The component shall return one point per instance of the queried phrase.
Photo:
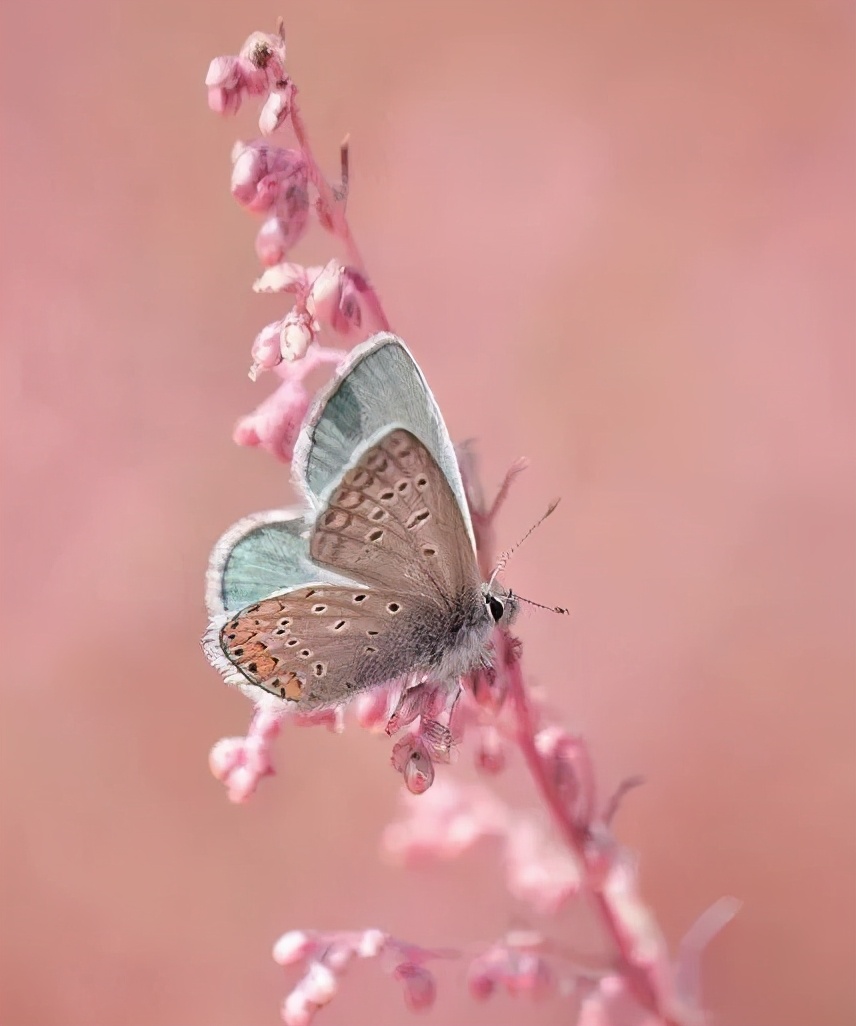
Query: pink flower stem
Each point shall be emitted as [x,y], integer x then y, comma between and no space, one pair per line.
[332,205]
[575,834]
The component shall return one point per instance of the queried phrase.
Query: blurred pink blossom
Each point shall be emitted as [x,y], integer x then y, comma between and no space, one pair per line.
[515,964]
[538,870]
[372,708]
[444,823]
[327,956]
[275,423]
[420,988]
[241,762]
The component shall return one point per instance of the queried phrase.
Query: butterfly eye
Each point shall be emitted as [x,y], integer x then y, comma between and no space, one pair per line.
[496,607]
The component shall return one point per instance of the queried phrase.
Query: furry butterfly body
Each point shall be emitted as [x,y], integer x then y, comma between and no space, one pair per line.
[386,585]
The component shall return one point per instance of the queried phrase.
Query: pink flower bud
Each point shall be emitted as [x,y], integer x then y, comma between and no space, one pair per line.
[490,753]
[249,168]
[297,1009]
[259,67]
[225,756]
[265,177]
[276,108]
[267,718]
[295,335]
[278,235]
[420,989]
[240,763]
[266,351]
[275,423]
[481,979]
[319,984]
[281,233]
[371,943]
[270,244]
[410,757]
[293,947]
[529,974]
[265,53]
[325,294]
[224,85]
[223,73]
[339,956]
[242,783]
[334,299]
[224,101]
[371,708]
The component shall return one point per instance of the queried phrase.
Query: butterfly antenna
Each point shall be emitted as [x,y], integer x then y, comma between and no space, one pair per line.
[505,556]
[550,609]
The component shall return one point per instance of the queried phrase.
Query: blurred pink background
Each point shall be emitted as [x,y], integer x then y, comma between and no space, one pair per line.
[619,238]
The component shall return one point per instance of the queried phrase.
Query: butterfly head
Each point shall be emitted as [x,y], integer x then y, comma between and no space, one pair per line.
[501,603]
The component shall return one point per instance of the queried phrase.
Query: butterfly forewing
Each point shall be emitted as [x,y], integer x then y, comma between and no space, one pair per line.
[393,521]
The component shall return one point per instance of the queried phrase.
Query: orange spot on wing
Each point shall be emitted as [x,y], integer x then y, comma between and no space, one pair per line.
[293,687]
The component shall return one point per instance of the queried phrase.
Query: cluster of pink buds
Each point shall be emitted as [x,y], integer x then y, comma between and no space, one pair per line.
[426,741]
[327,956]
[241,763]
[332,297]
[453,817]
[272,181]
[277,183]
[258,69]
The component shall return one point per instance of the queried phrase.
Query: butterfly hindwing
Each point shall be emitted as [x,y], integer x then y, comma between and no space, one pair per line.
[322,644]
[259,555]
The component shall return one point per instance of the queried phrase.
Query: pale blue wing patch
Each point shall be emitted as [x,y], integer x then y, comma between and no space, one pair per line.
[380,386]
[259,555]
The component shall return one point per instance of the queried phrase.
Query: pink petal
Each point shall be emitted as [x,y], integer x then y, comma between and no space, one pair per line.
[224,101]
[275,424]
[319,984]
[276,109]
[293,947]
[420,988]
[295,335]
[297,1009]
[266,351]
[326,293]
[223,72]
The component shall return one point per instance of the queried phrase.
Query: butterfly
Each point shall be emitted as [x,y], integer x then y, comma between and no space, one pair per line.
[378,580]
